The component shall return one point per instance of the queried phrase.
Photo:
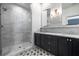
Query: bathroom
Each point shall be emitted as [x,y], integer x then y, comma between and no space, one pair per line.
[21,24]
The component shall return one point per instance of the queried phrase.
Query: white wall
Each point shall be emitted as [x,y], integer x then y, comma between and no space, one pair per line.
[46,6]
[74,10]
[39,17]
[55,20]
[44,18]
[36,16]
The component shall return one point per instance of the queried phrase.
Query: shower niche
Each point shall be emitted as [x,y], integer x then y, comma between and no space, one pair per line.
[16,31]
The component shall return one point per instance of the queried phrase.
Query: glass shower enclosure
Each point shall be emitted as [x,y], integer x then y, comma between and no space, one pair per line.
[16,27]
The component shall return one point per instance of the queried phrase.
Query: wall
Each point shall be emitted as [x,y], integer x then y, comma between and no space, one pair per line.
[39,15]
[44,18]
[0,33]
[56,20]
[17,26]
[48,8]
[71,11]
[36,16]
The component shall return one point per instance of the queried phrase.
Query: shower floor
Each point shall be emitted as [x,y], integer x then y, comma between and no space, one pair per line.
[25,49]
[14,50]
[35,51]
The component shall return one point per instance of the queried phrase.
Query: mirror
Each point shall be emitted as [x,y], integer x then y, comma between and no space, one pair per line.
[70,15]
[54,14]
[62,14]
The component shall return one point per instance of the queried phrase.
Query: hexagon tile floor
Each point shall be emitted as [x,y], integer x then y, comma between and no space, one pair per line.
[36,51]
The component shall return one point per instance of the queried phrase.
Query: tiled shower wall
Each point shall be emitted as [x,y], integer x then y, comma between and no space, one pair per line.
[17,25]
[0,31]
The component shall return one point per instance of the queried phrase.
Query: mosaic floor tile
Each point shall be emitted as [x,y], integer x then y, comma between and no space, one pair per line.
[35,52]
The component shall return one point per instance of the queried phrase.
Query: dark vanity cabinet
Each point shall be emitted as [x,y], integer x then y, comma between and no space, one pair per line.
[64,46]
[47,42]
[75,47]
[68,46]
[37,38]
[53,45]
[58,45]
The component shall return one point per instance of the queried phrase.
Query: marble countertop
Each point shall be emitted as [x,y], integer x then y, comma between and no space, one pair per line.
[62,26]
[59,34]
